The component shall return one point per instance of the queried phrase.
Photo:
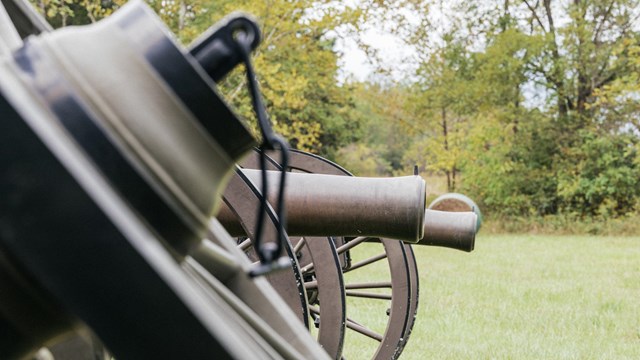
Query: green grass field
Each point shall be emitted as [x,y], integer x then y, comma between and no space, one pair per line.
[522,297]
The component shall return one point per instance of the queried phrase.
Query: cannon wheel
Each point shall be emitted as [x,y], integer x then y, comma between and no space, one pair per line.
[415,294]
[243,199]
[324,283]
[403,286]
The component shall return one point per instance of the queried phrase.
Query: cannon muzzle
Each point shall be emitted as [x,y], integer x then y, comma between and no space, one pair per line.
[456,230]
[321,205]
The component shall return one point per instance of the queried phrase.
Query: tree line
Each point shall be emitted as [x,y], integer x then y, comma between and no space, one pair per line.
[529,107]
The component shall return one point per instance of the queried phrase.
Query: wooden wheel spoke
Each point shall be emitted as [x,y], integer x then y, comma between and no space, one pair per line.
[368,295]
[371,285]
[364,330]
[354,322]
[307,269]
[311,285]
[299,245]
[366,262]
[314,309]
[351,244]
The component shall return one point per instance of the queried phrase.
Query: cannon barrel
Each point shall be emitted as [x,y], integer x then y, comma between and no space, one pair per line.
[322,205]
[327,205]
[454,202]
[455,230]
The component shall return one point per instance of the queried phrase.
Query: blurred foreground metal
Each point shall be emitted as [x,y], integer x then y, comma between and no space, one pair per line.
[113,177]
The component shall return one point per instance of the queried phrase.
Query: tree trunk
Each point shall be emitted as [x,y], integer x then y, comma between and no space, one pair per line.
[445,133]
[584,86]
[505,16]
[452,188]
[445,130]
[558,76]
[448,173]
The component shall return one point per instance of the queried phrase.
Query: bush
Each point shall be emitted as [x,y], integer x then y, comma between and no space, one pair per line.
[627,225]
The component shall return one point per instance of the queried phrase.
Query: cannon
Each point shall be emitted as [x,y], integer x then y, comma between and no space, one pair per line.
[330,205]
[323,262]
[403,280]
[137,180]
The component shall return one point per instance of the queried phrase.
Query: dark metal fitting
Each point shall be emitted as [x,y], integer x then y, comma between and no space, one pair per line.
[217,49]
[261,269]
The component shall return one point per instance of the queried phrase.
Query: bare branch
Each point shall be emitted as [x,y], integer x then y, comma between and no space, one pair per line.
[605,81]
[607,13]
[547,8]
[535,15]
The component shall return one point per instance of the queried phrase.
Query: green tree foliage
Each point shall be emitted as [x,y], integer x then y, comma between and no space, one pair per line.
[530,107]
[296,62]
[574,148]
[382,137]
[298,67]
[62,13]
[602,178]
[440,103]
[361,160]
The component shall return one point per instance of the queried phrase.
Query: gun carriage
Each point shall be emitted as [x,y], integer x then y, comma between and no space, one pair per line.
[125,243]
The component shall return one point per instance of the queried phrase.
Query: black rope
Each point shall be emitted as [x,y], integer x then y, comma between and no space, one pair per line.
[269,253]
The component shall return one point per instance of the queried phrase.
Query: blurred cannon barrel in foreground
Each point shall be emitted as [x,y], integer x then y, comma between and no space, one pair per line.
[323,205]
[327,205]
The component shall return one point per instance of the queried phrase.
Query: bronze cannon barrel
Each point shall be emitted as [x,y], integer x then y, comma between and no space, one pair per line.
[321,205]
[324,205]
[455,230]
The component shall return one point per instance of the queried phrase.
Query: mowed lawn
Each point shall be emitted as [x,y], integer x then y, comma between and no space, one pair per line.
[529,297]
[514,297]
